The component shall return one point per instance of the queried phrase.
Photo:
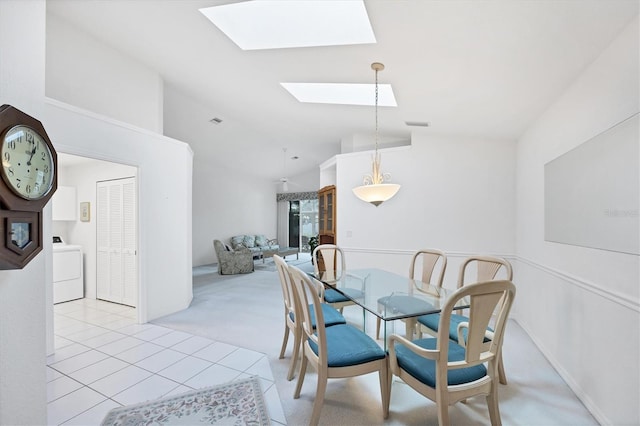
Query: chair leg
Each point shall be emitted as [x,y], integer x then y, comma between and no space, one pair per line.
[502,376]
[294,357]
[285,340]
[319,400]
[492,402]
[301,374]
[377,328]
[443,414]
[410,327]
[385,387]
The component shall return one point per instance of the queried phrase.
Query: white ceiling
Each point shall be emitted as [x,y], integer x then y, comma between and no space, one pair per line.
[482,68]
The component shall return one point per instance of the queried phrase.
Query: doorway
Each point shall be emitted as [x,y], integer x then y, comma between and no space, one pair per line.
[297,219]
[294,224]
[308,222]
[82,174]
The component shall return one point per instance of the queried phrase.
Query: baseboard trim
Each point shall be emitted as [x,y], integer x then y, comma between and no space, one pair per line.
[564,374]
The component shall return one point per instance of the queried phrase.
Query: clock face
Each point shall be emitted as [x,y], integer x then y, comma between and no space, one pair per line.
[27,163]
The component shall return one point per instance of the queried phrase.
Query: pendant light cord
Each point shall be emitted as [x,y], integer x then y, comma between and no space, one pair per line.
[376,135]
[374,190]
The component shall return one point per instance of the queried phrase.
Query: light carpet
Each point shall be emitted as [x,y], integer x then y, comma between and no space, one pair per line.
[235,403]
[303,262]
[247,311]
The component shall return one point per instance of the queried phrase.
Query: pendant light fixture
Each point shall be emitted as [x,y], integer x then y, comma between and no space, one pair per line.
[374,190]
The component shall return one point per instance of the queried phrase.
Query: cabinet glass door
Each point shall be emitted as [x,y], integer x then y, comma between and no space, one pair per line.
[322,211]
[329,227]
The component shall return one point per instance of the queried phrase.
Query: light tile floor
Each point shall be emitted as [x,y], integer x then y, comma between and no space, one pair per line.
[103,359]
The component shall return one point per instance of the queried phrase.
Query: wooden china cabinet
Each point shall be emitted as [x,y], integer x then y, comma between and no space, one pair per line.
[327,215]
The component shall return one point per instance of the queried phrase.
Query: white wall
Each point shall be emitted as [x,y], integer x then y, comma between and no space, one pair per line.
[117,90]
[227,203]
[366,141]
[84,72]
[457,194]
[164,198]
[83,178]
[227,199]
[130,92]
[304,182]
[23,293]
[582,305]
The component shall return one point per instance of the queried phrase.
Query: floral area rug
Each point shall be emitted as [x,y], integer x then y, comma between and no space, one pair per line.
[240,402]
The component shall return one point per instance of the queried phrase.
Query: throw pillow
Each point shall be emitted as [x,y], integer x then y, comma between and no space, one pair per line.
[237,242]
[249,241]
[261,240]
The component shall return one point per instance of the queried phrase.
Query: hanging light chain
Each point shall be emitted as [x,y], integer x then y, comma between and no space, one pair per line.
[376,135]
[374,189]
[376,177]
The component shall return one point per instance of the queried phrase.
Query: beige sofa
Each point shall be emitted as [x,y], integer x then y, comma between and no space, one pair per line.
[257,244]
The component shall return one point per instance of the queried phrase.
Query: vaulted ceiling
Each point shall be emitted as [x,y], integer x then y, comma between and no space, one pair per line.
[481,68]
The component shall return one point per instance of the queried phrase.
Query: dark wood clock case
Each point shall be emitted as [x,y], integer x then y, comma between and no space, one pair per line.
[21,219]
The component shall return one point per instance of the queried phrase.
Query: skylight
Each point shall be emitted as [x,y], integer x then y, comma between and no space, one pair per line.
[342,93]
[272,24]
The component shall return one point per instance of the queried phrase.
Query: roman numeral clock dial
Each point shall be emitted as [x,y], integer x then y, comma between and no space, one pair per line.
[29,179]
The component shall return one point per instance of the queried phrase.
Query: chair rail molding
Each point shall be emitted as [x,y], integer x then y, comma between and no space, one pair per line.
[405,252]
[613,296]
[608,294]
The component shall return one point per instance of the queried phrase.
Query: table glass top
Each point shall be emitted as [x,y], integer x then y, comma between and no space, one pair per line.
[387,295]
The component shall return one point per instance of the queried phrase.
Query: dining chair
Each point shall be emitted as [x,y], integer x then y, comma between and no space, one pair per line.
[431,265]
[329,259]
[338,351]
[447,372]
[291,315]
[487,267]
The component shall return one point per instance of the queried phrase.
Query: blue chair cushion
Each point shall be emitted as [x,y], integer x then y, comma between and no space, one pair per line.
[424,369]
[331,316]
[433,320]
[346,345]
[334,296]
[404,304]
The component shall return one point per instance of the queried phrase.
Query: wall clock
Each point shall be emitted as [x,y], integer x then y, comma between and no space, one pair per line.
[28,180]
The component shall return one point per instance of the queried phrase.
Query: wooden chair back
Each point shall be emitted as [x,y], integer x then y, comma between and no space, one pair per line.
[487,268]
[329,258]
[428,261]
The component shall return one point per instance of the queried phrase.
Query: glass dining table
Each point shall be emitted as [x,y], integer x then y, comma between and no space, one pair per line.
[389,296]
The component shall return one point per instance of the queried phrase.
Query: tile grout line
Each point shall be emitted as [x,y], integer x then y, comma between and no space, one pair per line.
[97,324]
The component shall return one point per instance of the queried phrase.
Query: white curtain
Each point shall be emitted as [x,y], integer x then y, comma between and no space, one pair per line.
[283,223]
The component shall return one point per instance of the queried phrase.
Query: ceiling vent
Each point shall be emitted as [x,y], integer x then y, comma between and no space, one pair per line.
[417,123]
[215,120]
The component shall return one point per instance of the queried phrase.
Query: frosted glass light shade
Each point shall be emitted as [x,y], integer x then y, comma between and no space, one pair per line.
[376,194]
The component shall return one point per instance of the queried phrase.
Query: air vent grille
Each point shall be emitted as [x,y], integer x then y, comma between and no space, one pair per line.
[417,123]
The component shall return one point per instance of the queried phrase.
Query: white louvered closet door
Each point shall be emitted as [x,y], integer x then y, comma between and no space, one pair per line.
[117,274]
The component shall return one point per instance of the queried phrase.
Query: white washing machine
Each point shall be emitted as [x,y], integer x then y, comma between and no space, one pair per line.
[68,281]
